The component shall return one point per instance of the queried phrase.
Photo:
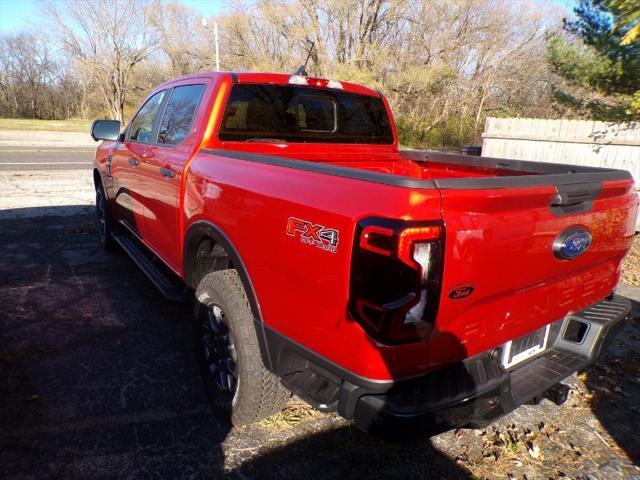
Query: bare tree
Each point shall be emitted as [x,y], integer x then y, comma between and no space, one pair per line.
[29,75]
[443,65]
[109,38]
[184,42]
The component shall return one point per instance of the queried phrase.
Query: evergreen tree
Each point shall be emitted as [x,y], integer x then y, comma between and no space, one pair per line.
[597,60]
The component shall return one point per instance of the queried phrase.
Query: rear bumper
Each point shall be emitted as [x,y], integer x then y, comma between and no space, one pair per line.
[479,390]
[473,392]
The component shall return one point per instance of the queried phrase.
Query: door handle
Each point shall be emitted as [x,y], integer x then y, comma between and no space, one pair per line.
[133,162]
[167,172]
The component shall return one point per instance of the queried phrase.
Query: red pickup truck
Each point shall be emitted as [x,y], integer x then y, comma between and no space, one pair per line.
[439,289]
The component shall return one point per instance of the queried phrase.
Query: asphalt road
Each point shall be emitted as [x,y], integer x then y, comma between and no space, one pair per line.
[45,158]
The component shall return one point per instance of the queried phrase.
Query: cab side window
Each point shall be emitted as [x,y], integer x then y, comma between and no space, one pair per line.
[142,126]
[179,114]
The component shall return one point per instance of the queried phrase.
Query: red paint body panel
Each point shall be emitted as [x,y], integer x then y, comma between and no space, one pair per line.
[302,291]
[499,241]
[283,79]
[496,240]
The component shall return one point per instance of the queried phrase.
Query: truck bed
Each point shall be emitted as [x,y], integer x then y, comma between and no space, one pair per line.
[432,169]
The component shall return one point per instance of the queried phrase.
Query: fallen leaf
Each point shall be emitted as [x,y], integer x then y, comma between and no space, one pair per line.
[534,450]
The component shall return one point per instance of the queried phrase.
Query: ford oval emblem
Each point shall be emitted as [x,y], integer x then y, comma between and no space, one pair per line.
[459,293]
[572,243]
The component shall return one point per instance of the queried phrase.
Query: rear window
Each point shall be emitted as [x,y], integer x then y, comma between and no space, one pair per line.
[303,114]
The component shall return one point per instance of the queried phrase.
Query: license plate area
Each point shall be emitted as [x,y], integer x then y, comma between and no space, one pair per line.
[521,349]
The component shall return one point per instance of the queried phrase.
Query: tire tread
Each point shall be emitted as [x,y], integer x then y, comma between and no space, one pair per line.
[261,393]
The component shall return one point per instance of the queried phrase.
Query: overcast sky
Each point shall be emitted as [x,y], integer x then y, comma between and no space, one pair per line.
[16,15]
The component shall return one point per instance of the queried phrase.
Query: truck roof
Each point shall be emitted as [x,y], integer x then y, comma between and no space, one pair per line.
[273,79]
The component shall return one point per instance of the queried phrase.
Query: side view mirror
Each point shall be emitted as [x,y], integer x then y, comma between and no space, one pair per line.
[105,130]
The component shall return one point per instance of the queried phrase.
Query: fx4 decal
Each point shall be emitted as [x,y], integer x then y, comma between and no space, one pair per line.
[312,234]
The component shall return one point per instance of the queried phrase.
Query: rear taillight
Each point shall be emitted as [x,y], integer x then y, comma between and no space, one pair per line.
[396,274]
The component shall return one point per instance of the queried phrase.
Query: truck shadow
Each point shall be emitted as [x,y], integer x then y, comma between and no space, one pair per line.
[347,453]
[613,384]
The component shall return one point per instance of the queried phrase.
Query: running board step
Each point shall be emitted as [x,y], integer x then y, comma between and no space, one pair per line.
[171,288]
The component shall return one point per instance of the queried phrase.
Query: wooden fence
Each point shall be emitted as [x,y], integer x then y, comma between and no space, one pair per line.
[577,142]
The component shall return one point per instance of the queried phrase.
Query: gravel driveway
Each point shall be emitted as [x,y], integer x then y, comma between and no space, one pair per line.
[97,380]
[35,193]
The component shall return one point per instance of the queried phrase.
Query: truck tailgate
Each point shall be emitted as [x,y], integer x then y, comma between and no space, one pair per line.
[502,278]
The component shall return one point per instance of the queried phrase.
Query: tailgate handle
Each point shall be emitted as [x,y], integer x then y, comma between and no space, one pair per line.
[574,198]
[567,199]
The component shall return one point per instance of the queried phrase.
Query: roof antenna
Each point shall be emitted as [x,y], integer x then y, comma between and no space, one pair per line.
[302,69]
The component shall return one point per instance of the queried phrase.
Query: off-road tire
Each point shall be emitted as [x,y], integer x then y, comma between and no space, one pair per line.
[258,393]
[105,221]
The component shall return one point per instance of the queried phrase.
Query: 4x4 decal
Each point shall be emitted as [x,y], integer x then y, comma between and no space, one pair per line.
[313,234]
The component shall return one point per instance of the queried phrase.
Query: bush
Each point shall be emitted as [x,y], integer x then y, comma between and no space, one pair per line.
[449,134]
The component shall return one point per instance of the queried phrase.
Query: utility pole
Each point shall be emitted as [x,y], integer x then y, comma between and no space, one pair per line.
[205,24]
[215,34]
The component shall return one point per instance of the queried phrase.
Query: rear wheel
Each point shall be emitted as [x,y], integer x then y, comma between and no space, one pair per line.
[228,352]
[105,223]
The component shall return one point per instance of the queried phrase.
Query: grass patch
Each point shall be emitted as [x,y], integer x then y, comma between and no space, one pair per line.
[292,414]
[50,125]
